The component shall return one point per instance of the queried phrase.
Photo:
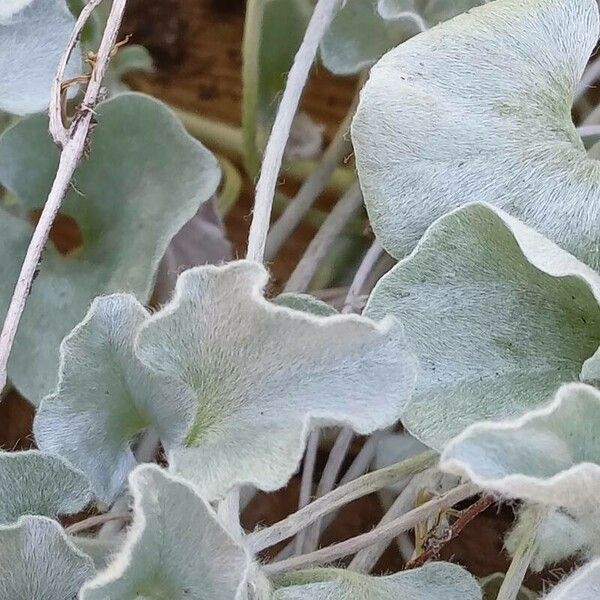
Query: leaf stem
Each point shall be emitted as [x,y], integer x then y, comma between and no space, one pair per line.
[517,570]
[377,535]
[320,245]
[363,486]
[97,520]
[250,79]
[72,152]
[289,220]
[272,159]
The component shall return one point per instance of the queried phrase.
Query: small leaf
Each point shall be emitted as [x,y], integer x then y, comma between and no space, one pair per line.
[37,562]
[176,548]
[478,108]
[550,455]
[491,586]
[129,198]
[305,303]
[434,581]
[358,37]
[498,316]
[33,483]
[260,375]
[583,584]
[106,398]
[33,36]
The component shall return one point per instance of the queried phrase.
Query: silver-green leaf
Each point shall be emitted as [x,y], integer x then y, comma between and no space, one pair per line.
[176,548]
[37,562]
[261,375]
[498,316]
[33,36]
[478,109]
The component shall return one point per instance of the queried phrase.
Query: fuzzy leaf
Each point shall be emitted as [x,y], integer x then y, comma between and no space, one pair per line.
[106,398]
[176,548]
[432,582]
[584,584]
[358,36]
[32,483]
[305,303]
[37,562]
[130,197]
[498,316]
[478,108]
[33,36]
[550,455]
[260,375]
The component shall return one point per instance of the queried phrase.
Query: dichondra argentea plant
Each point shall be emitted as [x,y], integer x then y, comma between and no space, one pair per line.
[472,370]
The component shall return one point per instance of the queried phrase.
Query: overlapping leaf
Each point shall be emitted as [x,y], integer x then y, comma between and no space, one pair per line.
[37,562]
[106,398]
[33,36]
[432,582]
[358,36]
[176,548]
[550,455]
[499,317]
[32,483]
[478,109]
[584,584]
[305,303]
[260,374]
[144,178]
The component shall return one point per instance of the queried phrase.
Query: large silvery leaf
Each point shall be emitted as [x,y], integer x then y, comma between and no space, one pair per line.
[37,562]
[431,12]
[106,398]
[478,109]
[130,196]
[435,581]
[550,455]
[584,584]
[32,483]
[358,36]
[33,36]
[176,548]
[259,375]
[498,316]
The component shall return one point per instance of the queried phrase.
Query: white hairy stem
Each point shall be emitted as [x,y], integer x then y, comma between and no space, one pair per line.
[265,189]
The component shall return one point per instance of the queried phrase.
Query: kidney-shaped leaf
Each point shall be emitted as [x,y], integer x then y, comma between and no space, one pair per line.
[584,584]
[435,581]
[550,455]
[478,109]
[358,36]
[144,179]
[33,36]
[176,548]
[106,398]
[259,374]
[32,483]
[498,316]
[37,562]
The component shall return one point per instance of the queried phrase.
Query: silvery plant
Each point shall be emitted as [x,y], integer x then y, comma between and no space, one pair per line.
[471,366]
